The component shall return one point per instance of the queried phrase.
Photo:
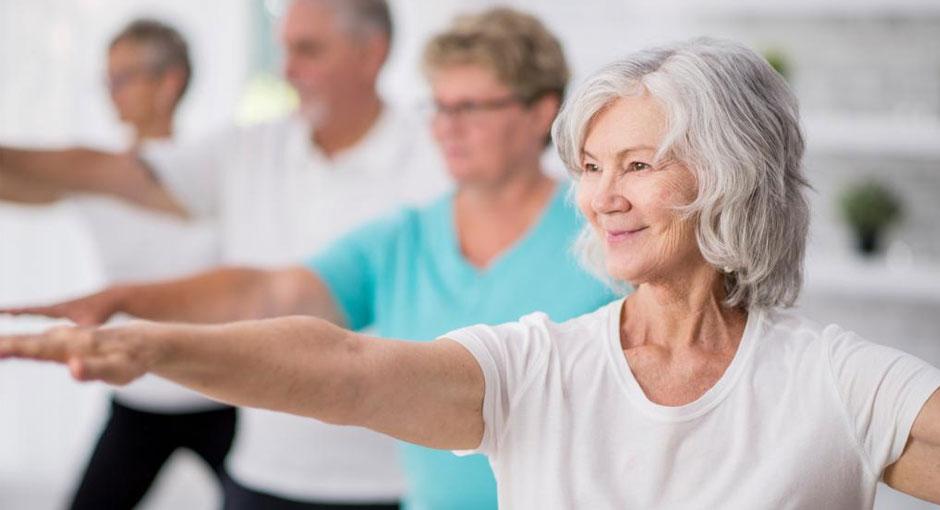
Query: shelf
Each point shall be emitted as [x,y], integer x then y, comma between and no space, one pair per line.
[854,277]
[917,137]
[817,9]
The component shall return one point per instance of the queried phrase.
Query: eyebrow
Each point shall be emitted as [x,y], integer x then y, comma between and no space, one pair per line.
[623,152]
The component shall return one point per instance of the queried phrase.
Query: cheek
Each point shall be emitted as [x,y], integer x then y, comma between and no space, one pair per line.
[583,195]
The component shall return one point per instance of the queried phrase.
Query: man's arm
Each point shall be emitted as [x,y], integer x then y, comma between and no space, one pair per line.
[917,471]
[220,295]
[84,170]
[426,393]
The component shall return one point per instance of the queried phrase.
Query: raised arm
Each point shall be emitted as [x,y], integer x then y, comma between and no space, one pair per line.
[426,393]
[917,471]
[84,170]
[221,295]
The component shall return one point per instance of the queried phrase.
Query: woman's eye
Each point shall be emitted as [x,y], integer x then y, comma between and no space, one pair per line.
[590,168]
[636,166]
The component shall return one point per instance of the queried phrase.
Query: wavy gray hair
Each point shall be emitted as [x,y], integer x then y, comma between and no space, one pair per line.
[734,122]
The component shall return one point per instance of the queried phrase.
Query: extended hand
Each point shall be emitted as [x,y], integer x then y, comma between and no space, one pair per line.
[90,310]
[115,355]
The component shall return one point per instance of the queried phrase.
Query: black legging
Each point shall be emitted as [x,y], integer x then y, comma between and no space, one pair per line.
[239,497]
[134,446]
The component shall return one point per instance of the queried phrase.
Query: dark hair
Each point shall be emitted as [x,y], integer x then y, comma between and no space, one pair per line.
[169,48]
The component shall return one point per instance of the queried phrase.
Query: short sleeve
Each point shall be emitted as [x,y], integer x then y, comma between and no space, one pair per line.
[883,390]
[511,356]
[352,266]
[192,172]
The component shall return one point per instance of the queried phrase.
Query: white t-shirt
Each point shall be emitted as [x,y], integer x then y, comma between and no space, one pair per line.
[137,244]
[805,417]
[279,200]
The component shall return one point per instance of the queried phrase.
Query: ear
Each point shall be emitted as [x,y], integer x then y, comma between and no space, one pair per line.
[171,86]
[543,112]
[375,49]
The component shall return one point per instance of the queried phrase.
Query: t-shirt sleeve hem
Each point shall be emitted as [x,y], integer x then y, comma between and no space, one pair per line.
[487,364]
[924,388]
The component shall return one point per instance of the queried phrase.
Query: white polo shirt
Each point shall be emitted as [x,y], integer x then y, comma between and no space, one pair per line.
[278,200]
[136,244]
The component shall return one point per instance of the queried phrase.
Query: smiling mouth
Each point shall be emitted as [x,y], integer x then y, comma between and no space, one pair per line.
[614,236]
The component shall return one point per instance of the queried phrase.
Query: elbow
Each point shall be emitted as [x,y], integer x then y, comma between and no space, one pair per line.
[336,390]
[347,402]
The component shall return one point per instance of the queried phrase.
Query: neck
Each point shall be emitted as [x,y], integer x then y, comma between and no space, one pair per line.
[684,311]
[157,128]
[505,195]
[343,126]
[490,218]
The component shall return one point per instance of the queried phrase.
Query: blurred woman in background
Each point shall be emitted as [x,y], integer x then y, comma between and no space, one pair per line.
[149,71]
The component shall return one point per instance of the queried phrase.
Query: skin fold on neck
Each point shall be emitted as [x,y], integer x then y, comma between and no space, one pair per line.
[678,336]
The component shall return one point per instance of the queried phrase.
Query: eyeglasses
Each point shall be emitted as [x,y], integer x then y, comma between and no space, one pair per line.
[472,109]
[119,80]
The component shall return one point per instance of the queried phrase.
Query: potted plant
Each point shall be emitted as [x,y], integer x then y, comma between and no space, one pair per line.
[869,208]
[779,61]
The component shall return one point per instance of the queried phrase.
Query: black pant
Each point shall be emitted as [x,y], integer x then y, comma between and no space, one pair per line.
[134,446]
[239,497]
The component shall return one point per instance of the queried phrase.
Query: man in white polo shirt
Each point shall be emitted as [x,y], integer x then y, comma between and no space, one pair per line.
[280,191]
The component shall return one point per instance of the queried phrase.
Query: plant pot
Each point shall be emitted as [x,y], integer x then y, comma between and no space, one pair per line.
[867,242]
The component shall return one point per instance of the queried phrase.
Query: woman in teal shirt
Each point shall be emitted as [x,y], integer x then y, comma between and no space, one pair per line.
[405,277]
[496,248]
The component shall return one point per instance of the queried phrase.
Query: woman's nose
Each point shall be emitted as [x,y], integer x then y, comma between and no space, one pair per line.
[608,198]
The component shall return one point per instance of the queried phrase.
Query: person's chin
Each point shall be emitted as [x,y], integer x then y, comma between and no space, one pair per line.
[461,174]
[313,111]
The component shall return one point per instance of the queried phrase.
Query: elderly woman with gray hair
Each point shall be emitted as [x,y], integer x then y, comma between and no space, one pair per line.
[697,391]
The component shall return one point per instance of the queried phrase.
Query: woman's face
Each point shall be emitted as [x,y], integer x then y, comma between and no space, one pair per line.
[483,130]
[132,83]
[629,199]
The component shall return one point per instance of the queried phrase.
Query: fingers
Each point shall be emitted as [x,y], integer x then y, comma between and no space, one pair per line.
[91,354]
[109,369]
[48,311]
[35,347]
[81,313]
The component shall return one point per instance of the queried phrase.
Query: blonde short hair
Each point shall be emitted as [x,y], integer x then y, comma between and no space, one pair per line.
[516,46]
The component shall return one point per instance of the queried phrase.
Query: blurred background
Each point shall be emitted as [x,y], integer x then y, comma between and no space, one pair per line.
[867,73]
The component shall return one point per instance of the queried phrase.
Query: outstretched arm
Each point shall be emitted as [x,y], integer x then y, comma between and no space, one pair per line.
[917,471]
[90,171]
[221,295]
[14,188]
[425,393]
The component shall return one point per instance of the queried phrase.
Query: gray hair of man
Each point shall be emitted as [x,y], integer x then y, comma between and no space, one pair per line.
[363,17]
[734,122]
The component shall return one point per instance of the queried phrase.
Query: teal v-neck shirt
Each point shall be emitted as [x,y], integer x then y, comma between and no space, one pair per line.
[405,277]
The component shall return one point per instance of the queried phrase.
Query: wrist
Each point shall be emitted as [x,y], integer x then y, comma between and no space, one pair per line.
[118,299]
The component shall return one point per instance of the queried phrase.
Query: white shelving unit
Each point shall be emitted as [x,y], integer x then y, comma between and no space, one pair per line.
[813,8]
[860,134]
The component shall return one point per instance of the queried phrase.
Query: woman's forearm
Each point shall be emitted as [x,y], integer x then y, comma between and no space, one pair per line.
[220,295]
[89,171]
[299,365]
[428,393]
